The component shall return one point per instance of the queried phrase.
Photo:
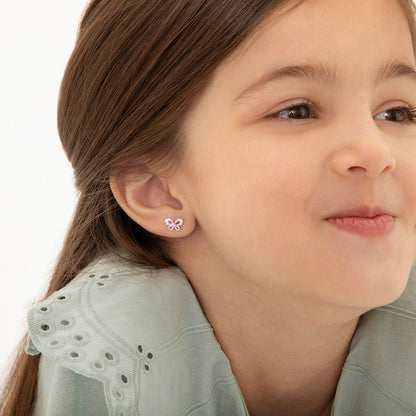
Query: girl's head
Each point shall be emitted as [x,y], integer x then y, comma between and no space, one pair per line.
[312,116]
[183,109]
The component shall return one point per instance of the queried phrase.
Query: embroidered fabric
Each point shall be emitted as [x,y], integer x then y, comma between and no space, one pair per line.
[89,327]
[57,328]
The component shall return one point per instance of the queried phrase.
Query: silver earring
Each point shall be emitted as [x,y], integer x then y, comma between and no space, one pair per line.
[174,225]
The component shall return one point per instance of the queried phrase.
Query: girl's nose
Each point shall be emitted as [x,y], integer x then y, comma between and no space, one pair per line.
[362,151]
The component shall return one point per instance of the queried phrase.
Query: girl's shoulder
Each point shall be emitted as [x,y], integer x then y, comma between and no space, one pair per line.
[134,329]
[116,301]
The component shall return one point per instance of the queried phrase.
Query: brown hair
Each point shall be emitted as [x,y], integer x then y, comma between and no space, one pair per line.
[137,68]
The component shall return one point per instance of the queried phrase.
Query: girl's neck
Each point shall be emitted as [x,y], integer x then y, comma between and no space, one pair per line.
[285,361]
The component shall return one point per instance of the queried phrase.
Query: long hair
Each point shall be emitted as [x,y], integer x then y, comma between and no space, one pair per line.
[137,68]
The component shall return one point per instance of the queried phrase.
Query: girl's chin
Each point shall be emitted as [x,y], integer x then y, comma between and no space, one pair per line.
[372,290]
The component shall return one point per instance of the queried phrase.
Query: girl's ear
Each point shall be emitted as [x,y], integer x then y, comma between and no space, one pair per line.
[148,201]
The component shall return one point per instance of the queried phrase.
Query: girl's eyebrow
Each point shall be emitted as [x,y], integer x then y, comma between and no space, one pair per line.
[326,74]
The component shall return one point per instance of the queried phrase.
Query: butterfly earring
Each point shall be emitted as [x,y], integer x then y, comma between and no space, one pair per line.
[174,225]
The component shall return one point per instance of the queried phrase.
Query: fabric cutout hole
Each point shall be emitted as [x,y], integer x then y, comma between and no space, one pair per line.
[66,323]
[146,367]
[97,366]
[75,355]
[118,394]
[106,277]
[45,329]
[63,298]
[123,378]
[92,275]
[140,348]
[44,309]
[110,356]
[101,285]
[150,355]
[80,338]
[56,343]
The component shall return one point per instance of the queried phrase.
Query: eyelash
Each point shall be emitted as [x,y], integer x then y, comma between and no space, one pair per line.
[409,110]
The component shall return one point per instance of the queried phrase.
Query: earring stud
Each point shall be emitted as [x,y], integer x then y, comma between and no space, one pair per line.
[174,225]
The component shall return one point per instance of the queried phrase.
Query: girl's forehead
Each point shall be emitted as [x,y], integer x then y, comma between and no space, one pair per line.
[296,25]
[345,35]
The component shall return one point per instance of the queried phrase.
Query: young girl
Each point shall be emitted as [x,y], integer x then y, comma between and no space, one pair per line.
[246,226]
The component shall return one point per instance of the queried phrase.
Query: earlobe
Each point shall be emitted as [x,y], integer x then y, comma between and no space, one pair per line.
[149,202]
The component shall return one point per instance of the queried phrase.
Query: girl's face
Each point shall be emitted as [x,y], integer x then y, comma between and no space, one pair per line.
[329,131]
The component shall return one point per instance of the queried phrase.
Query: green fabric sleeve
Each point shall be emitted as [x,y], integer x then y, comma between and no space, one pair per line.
[62,392]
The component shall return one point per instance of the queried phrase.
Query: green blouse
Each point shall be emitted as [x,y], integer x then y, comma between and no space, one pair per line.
[122,340]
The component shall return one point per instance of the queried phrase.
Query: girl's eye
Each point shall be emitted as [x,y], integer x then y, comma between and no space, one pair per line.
[302,111]
[399,115]
[296,112]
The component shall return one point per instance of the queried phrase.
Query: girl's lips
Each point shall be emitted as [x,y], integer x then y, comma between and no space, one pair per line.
[378,226]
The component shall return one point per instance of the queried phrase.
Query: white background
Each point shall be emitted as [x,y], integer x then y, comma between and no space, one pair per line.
[37,193]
